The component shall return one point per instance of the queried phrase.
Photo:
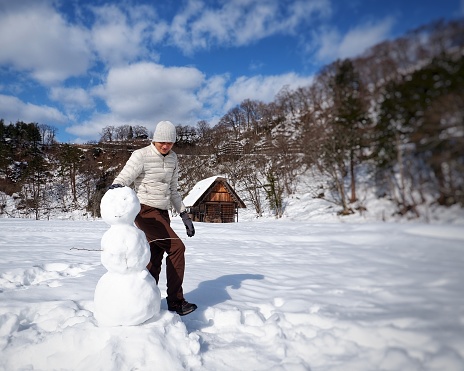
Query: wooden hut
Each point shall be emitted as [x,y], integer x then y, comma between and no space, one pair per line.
[213,200]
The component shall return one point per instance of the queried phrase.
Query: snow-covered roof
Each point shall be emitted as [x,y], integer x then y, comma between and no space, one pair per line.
[198,190]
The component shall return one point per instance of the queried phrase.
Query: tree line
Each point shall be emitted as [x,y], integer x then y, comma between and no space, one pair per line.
[395,114]
[392,117]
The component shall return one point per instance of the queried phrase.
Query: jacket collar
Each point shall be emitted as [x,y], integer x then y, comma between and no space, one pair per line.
[155,151]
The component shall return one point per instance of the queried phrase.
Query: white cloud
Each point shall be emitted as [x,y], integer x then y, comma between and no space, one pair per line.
[37,39]
[13,109]
[160,30]
[72,98]
[359,39]
[212,95]
[326,43]
[151,91]
[120,37]
[179,31]
[146,93]
[263,88]
[333,46]
[92,128]
[239,23]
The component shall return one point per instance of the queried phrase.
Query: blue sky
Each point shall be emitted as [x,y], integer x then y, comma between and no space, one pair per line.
[82,65]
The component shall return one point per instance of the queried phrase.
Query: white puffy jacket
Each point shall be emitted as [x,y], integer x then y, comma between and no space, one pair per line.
[155,178]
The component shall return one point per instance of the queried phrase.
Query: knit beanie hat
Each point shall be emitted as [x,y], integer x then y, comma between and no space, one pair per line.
[165,132]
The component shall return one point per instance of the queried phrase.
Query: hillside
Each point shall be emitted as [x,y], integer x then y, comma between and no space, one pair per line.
[381,129]
[303,205]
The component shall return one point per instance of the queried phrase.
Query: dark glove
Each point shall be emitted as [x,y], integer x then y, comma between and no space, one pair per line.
[113,186]
[188,223]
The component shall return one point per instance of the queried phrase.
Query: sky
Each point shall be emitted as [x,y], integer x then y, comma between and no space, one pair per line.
[81,65]
[287,295]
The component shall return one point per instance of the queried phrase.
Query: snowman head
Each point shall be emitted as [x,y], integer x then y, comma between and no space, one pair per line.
[119,206]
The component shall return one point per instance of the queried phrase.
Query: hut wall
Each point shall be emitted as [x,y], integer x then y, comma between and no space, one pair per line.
[219,193]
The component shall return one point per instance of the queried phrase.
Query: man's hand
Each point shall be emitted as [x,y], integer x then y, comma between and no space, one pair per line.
[188,223]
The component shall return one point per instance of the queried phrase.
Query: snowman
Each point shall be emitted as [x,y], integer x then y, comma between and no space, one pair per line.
[127,294]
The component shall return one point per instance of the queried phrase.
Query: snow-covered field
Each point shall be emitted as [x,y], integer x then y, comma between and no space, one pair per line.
[272,295]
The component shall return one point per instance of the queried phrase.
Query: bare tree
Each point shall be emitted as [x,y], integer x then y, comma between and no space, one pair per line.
[108,134]
[48,134]
[285,100]
[235,120]
[123,132]
[70,156]
[140,132]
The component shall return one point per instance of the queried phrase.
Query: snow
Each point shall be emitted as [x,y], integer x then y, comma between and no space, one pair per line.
[198,190]
[287,294]
[312,290]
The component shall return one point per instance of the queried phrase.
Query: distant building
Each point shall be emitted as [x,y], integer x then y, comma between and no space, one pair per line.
[213,200]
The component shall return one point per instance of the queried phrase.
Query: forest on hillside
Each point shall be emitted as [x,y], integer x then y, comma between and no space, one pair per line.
[393,117]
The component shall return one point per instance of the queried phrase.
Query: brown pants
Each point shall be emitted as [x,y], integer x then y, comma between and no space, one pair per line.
[155,223]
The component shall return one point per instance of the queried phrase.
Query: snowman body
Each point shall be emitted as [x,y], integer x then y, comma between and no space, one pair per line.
[127,294]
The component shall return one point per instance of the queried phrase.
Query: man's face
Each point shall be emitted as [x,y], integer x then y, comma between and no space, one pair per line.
[163,147]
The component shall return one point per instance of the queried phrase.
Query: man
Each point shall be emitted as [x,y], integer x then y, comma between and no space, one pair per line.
[154,172]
